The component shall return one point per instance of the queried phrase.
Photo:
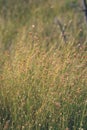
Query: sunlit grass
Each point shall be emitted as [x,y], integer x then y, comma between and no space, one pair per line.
[43,80]
[43,89]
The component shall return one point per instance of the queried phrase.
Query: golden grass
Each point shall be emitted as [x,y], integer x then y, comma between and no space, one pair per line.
[43,81]
[42,89]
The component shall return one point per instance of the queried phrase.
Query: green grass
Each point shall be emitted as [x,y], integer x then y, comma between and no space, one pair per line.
[43,80]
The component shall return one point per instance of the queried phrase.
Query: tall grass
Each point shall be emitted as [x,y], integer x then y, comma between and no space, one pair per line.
[43,89]
[43,82]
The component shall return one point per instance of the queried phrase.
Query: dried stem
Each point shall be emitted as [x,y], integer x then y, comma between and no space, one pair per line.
[85,8]
[57,21]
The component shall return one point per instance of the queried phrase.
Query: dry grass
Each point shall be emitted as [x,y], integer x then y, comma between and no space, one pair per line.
[43,89]
[43,82]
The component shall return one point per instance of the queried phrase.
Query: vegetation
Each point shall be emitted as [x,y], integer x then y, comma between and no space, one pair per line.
[43,66]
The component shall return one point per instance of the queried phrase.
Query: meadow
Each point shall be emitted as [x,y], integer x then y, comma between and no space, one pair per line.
[43,65]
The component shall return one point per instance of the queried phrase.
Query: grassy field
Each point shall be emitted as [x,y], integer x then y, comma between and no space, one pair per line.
[43,65]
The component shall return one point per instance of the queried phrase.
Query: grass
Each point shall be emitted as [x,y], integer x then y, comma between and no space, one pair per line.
[43,80]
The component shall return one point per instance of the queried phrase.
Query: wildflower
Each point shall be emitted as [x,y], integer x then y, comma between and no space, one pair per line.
[39,124]
[33,26]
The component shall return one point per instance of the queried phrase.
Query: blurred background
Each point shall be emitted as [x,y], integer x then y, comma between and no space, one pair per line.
[41,16]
